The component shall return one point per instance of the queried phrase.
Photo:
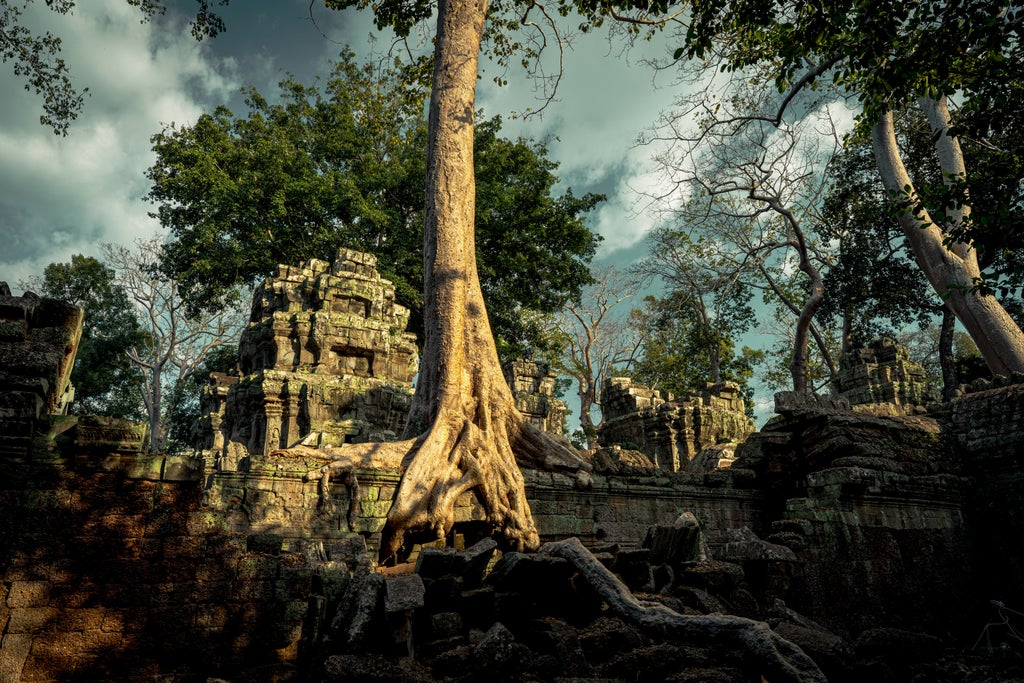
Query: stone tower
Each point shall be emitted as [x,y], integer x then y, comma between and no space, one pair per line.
[325,360]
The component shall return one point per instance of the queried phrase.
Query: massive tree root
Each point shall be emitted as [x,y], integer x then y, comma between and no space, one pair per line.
[781,660]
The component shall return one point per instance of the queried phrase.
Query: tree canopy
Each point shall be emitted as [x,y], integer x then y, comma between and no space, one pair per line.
[342,163]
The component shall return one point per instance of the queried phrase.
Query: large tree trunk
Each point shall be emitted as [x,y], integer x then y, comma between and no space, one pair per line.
[464,432]
[951,271]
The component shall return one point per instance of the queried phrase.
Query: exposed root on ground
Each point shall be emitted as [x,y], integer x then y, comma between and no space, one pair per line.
[781,660]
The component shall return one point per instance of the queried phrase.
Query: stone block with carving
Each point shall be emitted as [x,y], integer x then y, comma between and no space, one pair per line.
[533,388]
[38,341]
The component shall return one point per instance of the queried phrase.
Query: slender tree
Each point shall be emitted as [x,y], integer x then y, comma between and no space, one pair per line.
[600,339]
[175,345]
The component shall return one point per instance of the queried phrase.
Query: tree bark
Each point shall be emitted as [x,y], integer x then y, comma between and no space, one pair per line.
[946,360]
[951,271]
[464,432]
[780,660]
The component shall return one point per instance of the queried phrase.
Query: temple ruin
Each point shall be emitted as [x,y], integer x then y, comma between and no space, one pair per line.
[878,544]
[325,360]
[696,432]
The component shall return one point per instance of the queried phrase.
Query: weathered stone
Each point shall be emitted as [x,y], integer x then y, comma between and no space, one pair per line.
[743,545]
[533,387]
[882,373]
[325,361]
[498,647]
[403,593]
[672,431]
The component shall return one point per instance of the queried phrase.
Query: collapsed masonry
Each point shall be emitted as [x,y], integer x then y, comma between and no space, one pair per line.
[533,389]
[697,432]
[882,373]
[325,360]
[38,341]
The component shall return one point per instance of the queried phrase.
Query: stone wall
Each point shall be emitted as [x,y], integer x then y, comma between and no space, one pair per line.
[686,433]
[112,568]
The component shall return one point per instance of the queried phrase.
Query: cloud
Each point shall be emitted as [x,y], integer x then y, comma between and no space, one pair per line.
[60,196]
[606,98]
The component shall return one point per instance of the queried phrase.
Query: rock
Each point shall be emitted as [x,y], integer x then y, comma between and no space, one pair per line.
[374,669]
[497,648]
[897,645]
[743,545]
[403,593]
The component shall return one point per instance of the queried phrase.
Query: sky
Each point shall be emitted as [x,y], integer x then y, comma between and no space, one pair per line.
[61,196]
[65,195]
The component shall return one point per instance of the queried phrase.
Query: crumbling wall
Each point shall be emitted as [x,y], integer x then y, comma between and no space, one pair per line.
[533,389]
[112,569]
[882,372]
[38,341]
[686,433]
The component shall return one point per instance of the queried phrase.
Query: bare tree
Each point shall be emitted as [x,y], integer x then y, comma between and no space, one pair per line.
[751,184]
[599,340]
[176,344]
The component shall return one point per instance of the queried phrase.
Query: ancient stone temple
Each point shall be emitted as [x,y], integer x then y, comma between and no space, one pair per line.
[696,432]
[882,372]
[533,388]
[38,341]
[325,360]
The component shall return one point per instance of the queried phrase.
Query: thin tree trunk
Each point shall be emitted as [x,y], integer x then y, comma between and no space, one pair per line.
[951,271]
[946,360]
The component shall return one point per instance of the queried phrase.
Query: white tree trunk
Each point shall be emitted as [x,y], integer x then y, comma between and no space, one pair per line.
[951,271]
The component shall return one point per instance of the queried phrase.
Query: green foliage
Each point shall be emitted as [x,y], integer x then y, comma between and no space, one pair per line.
[185,394]
[678,347]
[887,54]
[342,164]
[874,285]
[105,381]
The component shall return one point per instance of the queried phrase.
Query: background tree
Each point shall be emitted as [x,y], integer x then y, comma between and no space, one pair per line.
[104,379]
[186,394]
[342,163]
[35,56]
[175,345]
[677,348]
[600,341]
[887,55]
[750,187]
[706,307]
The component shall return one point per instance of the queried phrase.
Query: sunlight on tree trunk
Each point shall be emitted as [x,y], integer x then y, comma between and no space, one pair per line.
[464,432]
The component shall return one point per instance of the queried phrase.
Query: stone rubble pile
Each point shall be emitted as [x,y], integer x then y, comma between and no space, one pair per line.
[882,372]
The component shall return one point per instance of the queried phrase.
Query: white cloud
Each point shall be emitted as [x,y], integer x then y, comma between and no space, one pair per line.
[60,196]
